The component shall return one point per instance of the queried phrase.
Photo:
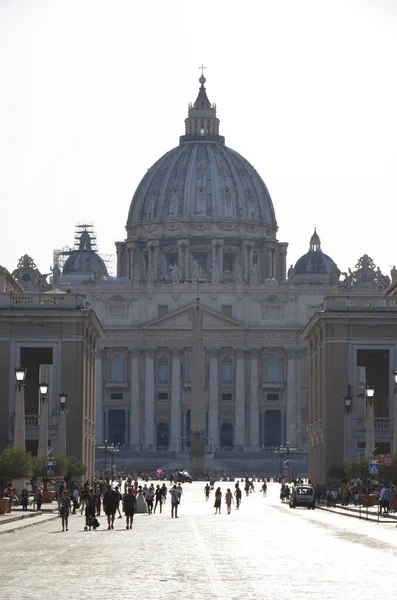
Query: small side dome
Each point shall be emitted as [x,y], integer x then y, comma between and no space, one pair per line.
[85,260]
[315,266]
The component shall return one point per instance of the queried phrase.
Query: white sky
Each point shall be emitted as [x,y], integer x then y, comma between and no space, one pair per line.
[94,92]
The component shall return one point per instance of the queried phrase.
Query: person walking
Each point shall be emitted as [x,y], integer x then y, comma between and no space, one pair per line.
[64,510]
[207,490]
[264,489]
[159,498]
[228,500]
[116,489]
[175,500]
[129,507]
[218,500]
[238,495]
[149,498]
[110,503]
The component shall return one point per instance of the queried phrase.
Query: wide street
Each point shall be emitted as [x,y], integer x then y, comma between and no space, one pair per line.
[263,551]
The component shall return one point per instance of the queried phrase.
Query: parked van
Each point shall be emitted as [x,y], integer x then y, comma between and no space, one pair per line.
[302,495]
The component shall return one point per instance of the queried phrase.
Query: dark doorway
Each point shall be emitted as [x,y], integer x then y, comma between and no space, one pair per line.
[272,428]
[377,374]
[116,427]
[31,359]
[226,435]
[162,436]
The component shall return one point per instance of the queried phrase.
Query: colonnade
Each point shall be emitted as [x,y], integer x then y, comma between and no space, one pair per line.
[248,405]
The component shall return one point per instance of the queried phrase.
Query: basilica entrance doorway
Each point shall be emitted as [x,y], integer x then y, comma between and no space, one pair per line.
[162,436]
[226,435]
[117,427]
[272,428]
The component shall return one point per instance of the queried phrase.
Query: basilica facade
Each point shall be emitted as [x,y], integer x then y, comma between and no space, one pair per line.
[202,222]
[201,226]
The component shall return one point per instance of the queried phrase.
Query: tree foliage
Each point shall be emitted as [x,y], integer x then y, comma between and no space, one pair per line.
[15,463]
[336,471]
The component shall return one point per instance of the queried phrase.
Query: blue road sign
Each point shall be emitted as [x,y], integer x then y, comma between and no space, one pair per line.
[373,467]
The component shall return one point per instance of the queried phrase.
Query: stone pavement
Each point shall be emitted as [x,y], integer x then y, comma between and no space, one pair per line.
[264,551]
[18,519]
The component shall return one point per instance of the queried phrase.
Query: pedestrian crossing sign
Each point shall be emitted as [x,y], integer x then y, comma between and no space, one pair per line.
[373,467]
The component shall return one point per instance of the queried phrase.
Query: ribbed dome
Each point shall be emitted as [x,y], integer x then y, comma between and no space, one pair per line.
[315,262]
[201,178]
[84,262]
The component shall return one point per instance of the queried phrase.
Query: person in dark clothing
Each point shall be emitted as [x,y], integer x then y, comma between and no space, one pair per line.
[90,509]
[129,507]
[110,503]
[158,495]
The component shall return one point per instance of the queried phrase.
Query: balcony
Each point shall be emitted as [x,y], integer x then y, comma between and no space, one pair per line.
[272,385]
[116,384]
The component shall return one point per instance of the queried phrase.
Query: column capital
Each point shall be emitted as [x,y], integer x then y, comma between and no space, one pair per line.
[149,352]
[213,352]
[217,242]
[183,242]
[240,352]
[254,353]
[135,352]
[175,352]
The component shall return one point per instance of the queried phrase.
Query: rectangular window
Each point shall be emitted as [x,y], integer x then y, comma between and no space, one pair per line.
[117,310]
[162,396]
[227,309]
[272,397]
[227,397]
[162,310]
[116,396]
[228,262]
[163,372]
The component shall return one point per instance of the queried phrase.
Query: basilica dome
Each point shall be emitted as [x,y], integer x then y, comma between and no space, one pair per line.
[202,178]
[314,263]
[84,260]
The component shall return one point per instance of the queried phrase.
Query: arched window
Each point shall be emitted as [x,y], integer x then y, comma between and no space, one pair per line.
[163,370]
[117,368]
[273,368]
[227,371]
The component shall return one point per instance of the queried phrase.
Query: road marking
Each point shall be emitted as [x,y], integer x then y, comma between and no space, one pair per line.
[218,588]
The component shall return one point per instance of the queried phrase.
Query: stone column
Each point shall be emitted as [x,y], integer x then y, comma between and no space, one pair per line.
[45,373]
[19,421]
[254,400]
[155,258]
[290,433]
[119,249]
[99,397]
[245,260]
[175,398]
[394,446]
[239,438]
[135,398]
[213,257]
[197,404]
[180,259]
[149,397]
[213,397]
[220,265]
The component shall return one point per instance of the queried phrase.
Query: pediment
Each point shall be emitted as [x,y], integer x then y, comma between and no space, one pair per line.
[182,318]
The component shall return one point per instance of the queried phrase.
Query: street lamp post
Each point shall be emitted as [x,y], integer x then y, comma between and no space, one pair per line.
[62,423]
[43,425]
[109,449]
[346,438]
[19,421]
[370,420]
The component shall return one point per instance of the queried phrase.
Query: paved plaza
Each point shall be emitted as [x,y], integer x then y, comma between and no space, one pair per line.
[265,550]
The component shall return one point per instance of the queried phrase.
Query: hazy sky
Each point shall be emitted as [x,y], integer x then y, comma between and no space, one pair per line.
[94,92]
